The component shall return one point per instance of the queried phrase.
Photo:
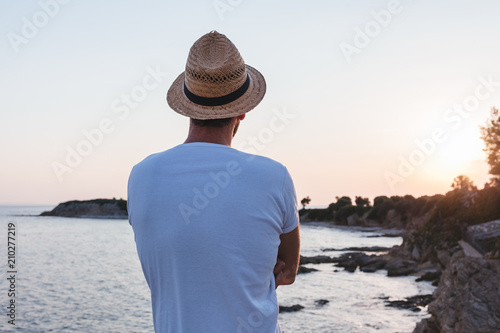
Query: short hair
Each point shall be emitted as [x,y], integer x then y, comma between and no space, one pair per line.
[219,123]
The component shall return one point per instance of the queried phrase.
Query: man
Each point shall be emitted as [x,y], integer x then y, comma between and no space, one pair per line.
[216,229]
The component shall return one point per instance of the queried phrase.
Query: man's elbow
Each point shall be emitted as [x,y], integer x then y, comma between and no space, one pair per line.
[289,276]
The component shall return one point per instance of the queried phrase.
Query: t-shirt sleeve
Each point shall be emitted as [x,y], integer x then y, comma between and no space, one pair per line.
[290,215]
[129,213]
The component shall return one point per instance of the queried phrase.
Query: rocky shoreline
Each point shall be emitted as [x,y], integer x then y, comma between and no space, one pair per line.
[462,262]
[97,208]
[466,273]
[369,263]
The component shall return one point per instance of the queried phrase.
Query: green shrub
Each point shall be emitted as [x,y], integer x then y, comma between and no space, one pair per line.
[320,214]
[341,202]
[380,208]
[344,212]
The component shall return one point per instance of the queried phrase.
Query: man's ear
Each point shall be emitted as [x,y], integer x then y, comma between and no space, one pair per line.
[241,116]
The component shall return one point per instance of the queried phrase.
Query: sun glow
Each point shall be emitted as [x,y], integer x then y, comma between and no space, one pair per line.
[459,156]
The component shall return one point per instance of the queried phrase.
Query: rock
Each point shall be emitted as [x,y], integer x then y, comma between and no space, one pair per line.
[353,220]
[321,302]
[98,208]
[362,259]
[413,303]
[430,276]
[427,325]
[484,236]
[304,216]
[415,254]
[360,249]
[303,270]
[350,256]
[428,254]
[350,266]
[469,250]
[329,249]
[351,260]
[369,269]
[398,251]
[395,233]
[443,257]
[317,260]
[293,308]
[400,267]
[467,298]
[393,220]
[373,265]
[428,266]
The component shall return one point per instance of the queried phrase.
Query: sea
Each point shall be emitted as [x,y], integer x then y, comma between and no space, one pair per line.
[83,275]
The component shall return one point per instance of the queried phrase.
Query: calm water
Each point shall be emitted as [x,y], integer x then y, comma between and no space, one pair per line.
[83,275]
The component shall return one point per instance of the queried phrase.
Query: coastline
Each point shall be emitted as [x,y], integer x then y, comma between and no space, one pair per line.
[427,251]
[96,208]
[97,269]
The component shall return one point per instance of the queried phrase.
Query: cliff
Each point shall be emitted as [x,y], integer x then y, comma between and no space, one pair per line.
[98,208]
[467,298]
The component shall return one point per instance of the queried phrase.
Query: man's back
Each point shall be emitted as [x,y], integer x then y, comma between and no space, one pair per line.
[207,221]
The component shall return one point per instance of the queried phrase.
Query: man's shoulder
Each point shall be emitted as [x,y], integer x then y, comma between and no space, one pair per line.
[259,160]
[149,162]
[152,158]
[146,160]
[261,165]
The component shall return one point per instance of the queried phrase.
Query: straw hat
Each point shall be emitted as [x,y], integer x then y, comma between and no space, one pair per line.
[216,83]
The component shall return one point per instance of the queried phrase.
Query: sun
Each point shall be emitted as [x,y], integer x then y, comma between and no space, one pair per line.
[459,155]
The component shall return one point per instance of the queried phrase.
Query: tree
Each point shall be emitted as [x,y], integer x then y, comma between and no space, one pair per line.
[380,199]
[463,183]
[341,202]
[465,189]
[361,202]
[305,202]
[490,134]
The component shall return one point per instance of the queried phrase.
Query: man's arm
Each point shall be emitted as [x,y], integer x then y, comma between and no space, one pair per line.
[288,258]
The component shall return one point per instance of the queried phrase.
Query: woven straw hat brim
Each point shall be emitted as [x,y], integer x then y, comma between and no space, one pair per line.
[178,101]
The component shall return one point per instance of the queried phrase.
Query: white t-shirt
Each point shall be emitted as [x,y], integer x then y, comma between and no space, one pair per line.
[207,220]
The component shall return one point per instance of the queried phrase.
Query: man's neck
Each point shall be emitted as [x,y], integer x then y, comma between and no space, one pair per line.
[222,136]
[206,139]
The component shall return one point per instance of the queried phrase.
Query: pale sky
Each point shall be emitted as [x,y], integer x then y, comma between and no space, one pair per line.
[363,97]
